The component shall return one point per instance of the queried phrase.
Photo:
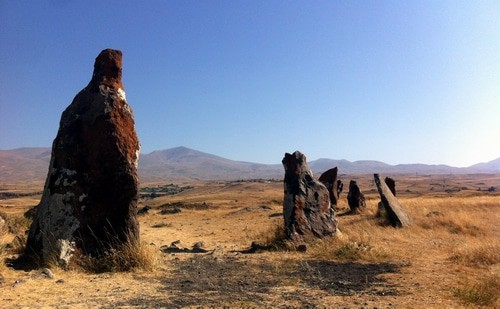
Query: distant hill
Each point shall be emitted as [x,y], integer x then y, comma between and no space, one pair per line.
[487,167]
[370,167]
[24,164]
[348,167]
[184,164]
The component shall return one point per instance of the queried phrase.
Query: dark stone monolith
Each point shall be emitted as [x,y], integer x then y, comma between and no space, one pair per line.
[396,213]
[90,196]
[355,198]
[391,184]
[306,206]
[334,185]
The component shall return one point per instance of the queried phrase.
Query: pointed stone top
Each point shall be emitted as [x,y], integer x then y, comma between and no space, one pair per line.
[295,163]
[297,156]
[108,69]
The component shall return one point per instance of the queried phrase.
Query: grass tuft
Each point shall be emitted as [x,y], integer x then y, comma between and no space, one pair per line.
[351,251]
[14,224]
[483,293]
[275,238]
[3,257]
[13,234]
[128,256]
[340,247]
[12,237]
[484,254]
[345,249]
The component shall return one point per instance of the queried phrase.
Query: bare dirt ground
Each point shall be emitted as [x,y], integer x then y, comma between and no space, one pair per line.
[371,265]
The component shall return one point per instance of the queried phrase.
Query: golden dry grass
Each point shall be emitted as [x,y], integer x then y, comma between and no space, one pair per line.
[481,254]
[3,254]
[131,255]
[486,292]
[446,259]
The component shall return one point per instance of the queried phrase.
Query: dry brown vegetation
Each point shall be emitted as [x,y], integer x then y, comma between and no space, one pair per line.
[449,257]
[127,256]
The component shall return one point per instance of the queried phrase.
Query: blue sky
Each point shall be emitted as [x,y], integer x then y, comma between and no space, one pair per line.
[395,81]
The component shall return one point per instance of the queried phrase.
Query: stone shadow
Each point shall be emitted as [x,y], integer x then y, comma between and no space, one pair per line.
[209,281]
[349,278]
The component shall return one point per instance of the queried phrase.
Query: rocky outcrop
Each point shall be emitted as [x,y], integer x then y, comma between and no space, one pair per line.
[306,206]
[334,185]
[355,198]
[90,195]
[396,213]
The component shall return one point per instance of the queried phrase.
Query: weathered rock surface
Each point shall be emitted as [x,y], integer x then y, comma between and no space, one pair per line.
[89,201]
[334,185]
[355,198]
[396,213]
[306,206]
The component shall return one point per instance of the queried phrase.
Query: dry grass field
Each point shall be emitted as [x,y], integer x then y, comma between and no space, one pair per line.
[449,257]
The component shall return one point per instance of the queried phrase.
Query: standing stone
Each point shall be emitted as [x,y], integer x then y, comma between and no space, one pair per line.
[396,213]
[340,188]
[306,206]
[355,198]
[334,185]
[90,196]
[391,184]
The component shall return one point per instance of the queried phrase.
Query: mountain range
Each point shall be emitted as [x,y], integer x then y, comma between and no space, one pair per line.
[185,164]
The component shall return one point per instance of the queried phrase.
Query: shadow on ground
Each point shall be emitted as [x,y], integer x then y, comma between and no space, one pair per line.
[236,281]
[349,278]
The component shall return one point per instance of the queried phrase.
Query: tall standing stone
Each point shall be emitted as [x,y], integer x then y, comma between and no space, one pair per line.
[306,206]
[334,185]
[396,213]
[355,198]
[90,196]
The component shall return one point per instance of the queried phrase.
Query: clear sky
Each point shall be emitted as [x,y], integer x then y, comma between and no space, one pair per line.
[395,81]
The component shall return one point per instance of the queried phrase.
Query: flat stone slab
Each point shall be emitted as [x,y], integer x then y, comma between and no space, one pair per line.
[396,213]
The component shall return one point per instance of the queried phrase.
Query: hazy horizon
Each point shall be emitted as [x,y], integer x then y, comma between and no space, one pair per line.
[397,82]
[278,160]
